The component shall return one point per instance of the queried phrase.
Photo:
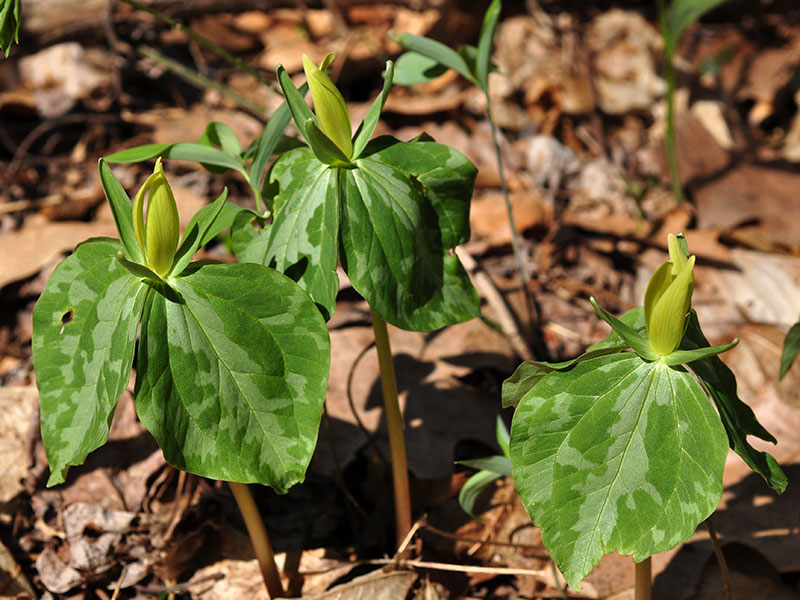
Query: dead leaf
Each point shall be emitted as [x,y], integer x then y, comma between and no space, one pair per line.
[13,583]
[625,79]
[377,585]
[63,74]
[18,406]
[56,575]
[751,193]
[39,242]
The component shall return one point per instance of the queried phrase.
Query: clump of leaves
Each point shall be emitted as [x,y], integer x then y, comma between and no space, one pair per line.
[232,362]
[619,450]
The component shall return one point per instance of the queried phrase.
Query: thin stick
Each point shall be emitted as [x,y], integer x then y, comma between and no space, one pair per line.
[437,566]
[394,424]
[723,564]
[259,538]
[643,580]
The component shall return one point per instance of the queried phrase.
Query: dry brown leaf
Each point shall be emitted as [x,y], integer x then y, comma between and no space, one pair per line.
[377,585]
[18,406]
[13,583]
[752,193]
[40,242]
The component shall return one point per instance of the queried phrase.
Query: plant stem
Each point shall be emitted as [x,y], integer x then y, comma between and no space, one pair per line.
[670,140]
[723,564]
[394,424]
[538,344]
[259,538]
[643,580]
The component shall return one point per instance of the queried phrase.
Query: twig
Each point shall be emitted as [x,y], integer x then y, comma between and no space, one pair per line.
[118,587]
[459,538]
[437,566]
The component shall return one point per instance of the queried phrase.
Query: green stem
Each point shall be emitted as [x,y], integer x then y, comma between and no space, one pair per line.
[394,424]
[643,580]
[533,315]
[670,137]
[259,539]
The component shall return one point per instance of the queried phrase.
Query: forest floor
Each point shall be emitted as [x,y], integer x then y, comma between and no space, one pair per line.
[579,98]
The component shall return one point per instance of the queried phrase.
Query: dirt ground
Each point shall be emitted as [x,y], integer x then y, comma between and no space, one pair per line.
[579,98]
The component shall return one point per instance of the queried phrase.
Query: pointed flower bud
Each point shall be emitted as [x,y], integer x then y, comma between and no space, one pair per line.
[158,231]
[668,298]
[333,118]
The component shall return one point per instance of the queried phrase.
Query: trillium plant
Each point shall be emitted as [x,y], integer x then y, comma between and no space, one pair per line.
[232,360]
[388,212]
[621,448]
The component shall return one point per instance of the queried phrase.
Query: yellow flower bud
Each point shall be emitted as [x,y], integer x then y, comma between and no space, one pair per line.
[333,118]
[668,298]
[158,232]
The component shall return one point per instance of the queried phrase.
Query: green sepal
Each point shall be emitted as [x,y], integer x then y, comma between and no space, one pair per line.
[10,13]
[122,211]
[639,343]
[791,348]
[737,417]
[367,127]
[297,105]
[197,232]
[270,139]
[84,336]
[324,148]
[136,269]
[680,357]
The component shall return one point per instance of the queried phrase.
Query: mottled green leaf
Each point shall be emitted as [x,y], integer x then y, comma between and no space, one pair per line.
[232,377]
[405,206]
[84,337]
[791,348]
[249,237]
[738,418]
[302,241]
[616,454]
[530,372]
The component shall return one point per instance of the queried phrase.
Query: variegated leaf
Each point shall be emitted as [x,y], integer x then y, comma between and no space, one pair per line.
[404,207]
[84,338]
[617,453]
[302,241]
[233,367]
